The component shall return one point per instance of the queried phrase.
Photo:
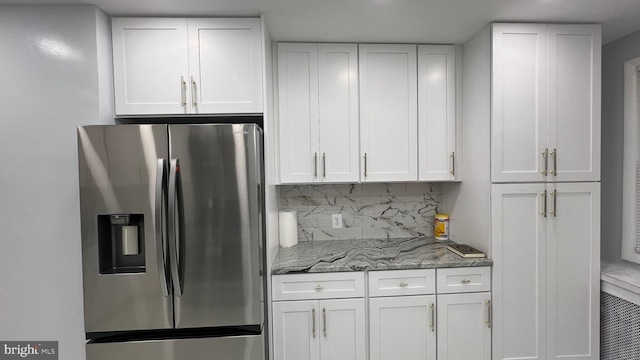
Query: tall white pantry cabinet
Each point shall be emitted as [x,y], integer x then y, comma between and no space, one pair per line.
[545,192]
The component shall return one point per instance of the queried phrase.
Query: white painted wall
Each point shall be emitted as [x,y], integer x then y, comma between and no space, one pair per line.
[52,68]
[469,203]
[614,55]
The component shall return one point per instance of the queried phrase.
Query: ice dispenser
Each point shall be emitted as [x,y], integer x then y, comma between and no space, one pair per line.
[121,243]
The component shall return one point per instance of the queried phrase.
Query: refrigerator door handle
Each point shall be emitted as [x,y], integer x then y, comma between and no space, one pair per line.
[160,204]
[175,201]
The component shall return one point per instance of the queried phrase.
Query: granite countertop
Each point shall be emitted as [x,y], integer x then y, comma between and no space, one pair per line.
[363,255]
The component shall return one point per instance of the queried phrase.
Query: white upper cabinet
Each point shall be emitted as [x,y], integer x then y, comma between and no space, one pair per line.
[519,123]
[151,66]
[318,112]
[436,112]
[545,103]
[388,112]
[225,63]
[350,113]
[574,102]
[168,66]
[338,109]
[298,112]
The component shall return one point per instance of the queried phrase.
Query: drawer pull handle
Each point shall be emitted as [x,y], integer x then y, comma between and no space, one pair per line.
[403,284]
[319,287]
[432,323]
[324,321]
[313,318]
[489,313]
[465,281]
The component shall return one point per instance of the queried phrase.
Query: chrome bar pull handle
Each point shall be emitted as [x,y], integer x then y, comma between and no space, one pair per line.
[324,321]
[183,91]
[365,164]
[453,163]
[194,94]
[554,154]
[313,320]
[173,216]
[545,155]
[432,322]
[160,209]
[553,212]
[544,197]
[324,165]
[489,313]
[315,164]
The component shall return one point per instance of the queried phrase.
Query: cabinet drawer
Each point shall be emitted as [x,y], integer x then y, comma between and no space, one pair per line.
[402,282]
[318,286]
[462,280]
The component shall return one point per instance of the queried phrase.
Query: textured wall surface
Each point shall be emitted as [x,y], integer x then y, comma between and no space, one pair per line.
[369,211]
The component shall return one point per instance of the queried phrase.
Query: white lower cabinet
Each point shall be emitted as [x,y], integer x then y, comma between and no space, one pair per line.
[402,327]
[319,316]
[420,314]
[547,271]
[319,330]
[464,326]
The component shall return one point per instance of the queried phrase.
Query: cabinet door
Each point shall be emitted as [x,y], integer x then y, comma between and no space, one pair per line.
[574,102]
[342,331]
[436,112]
[150,65]
[296,334]
[464,326]
[519,276]
[518,105]
[225,63]
[388,112]
[338,111]
[298,98]
[573,271]
[402,327]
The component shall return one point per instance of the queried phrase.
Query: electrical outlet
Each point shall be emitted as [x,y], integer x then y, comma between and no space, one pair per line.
[336,221]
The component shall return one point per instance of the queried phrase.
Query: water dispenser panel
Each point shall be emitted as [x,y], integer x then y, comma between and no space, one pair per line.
[121,243]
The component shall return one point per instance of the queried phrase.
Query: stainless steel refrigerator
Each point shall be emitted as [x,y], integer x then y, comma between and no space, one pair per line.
[172,241]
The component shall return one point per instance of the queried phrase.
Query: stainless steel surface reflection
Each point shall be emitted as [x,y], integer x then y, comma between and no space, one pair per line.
[173,241]
[118,166]
[236,348]
[220,178]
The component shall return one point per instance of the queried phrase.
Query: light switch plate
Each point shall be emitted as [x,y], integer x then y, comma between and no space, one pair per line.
[336,221]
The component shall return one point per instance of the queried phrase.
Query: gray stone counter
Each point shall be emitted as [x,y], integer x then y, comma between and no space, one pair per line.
[362,255]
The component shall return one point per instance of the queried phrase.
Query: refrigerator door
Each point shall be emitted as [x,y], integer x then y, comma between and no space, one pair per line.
[217,170]
[223,348]
[122,200]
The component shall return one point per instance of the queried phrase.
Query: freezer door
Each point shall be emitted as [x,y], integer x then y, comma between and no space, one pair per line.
[222,348]
[218,224]
[126,285]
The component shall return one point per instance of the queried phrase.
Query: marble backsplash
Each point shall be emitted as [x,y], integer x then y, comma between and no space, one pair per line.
[369,211]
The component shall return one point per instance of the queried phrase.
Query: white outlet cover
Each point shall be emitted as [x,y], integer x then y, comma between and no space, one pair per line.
[336,221]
